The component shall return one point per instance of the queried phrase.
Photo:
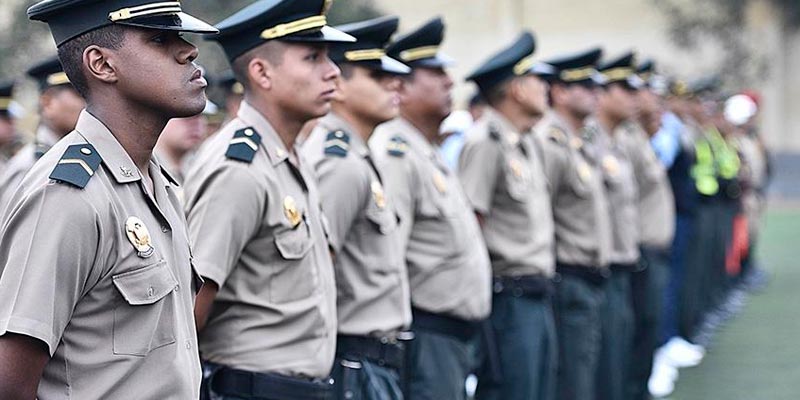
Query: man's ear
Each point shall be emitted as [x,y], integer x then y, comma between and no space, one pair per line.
[99,63]
[261,73]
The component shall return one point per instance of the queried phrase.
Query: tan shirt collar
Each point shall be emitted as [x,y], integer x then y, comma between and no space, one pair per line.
[270,141]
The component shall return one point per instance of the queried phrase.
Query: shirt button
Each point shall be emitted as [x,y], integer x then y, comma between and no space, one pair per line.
[188,345]
[164,228]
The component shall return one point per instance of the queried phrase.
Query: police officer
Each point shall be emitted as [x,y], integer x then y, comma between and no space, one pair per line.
[502,176]
[9,139]
[59,107]
[656,209]
[267,318]
[447,262]
[372,285]
[581,218]
[97,302]
[616,104]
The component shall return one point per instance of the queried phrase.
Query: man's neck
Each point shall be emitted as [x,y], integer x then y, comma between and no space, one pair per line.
[286,125]
[522,121]
[362,126]
[575,122]
[607,122]
[429,127]
[136,129]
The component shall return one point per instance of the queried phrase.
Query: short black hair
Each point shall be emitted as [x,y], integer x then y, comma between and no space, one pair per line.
[477,99]
[70,53]
[271,51]
[347,70]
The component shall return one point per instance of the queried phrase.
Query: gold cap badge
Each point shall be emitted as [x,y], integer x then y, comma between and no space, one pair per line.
[290,210]
[139,237]
[377,194]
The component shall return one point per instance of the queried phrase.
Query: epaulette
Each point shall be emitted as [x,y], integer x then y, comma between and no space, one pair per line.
[244,145]
[397,146]
[557,135]
[77,165]
[337,143]
[494,133]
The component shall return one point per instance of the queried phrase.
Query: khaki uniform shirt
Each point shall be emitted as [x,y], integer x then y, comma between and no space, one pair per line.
[257,230]
[18,165]
[503,178]
[371,279]
[621,191]
[580,208]
[656,203]
[102,275]
[448,266]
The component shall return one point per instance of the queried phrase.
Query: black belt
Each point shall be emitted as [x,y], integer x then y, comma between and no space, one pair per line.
[254,385]
[388,352]
[593,275]
[632,267]
[533,286]
[450,326]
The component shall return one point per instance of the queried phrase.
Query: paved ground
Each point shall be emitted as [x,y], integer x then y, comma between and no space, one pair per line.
[757,356]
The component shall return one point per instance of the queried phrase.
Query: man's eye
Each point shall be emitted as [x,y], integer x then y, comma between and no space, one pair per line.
[313,56]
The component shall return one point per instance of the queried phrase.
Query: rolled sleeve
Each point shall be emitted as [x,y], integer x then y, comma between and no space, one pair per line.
[49,258]
[223,213]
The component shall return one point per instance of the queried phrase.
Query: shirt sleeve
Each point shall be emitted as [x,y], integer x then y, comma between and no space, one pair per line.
[400,179]
[479,168]
[51,254]
[554,161]
[343,188]
[223,213]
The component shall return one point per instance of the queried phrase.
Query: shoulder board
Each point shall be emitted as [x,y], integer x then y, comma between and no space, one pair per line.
[337,143]
[397,146]
[77,165]
[494,133]
[244,145]
[557,135]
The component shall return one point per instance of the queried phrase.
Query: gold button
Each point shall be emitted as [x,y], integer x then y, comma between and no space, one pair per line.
[86,150]
[339,134]
[248,132]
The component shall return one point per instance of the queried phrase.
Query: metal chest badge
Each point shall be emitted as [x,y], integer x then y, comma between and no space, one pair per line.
[584,171]
[439,182]
[291,212]
[516,168]
[611,165]
[377,194]
[139,237]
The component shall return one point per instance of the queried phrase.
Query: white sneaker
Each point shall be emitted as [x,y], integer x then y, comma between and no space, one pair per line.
[662,379]
[680,353]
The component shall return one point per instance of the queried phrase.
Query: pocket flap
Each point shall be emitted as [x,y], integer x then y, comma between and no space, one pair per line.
[294,243]
[146,285]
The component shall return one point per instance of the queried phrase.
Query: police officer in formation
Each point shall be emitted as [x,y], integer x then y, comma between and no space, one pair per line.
[358,264]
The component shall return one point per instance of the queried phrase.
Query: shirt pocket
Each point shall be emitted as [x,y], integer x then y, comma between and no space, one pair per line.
[293,276]
[518,180]
[581,178]
[145,319]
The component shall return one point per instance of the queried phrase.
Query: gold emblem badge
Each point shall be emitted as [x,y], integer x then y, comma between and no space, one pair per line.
[290,210]
[516,168]
[439,182]
[611,165]
[584,171]
[139,237]
[377,194]
[576,143]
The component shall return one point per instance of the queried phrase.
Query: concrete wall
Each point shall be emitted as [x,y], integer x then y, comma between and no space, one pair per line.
[477,28]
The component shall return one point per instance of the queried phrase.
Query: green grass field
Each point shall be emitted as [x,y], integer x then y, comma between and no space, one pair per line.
[757,355]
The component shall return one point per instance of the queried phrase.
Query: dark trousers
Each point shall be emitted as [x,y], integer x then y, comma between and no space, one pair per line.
[700,260]
[360,379]
[438,366]
[674,291]
[647,288]
[577,309]
[526,349]
[616,337]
